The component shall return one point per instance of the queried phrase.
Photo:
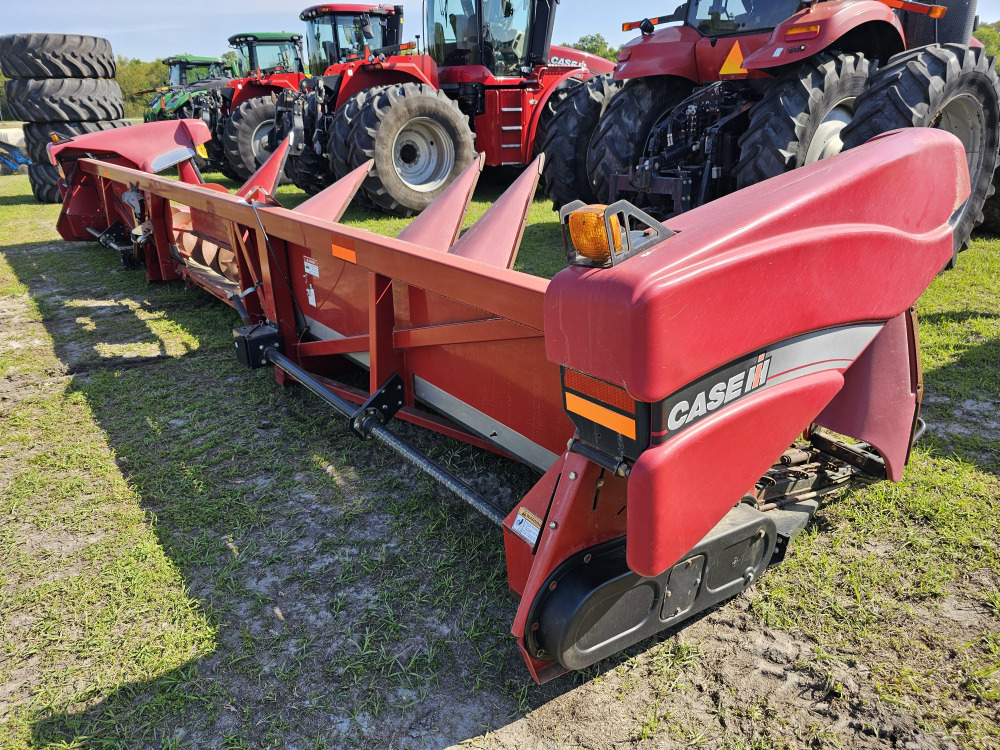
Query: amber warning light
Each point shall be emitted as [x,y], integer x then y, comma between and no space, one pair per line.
[599,236]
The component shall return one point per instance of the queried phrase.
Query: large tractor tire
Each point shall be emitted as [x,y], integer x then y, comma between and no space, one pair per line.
[946,86]
[339,145]
[311,171]
[419,140]
[217,161]
[44,180]
[620,139]
[56,56]
[37,135]
[245,138]
[564,133]
[991,213]
[801,117]
[64,99]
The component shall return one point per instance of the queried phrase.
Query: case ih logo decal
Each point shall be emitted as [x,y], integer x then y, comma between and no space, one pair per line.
[707,395]
[832,349]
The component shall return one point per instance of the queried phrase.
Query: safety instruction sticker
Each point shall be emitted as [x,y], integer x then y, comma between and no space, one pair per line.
[312,267]
[527,525]
[311,295]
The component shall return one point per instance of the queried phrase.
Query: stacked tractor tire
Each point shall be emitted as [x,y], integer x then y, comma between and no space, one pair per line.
[62,85]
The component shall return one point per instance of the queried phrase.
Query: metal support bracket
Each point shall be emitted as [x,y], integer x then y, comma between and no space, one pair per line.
[237,300]
[860,455]
[117,238]
[383,405]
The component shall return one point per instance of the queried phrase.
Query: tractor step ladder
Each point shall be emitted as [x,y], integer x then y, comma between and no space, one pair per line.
[511,127]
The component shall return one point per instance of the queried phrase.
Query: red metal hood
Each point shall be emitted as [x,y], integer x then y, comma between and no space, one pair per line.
[143,147]
[850,239]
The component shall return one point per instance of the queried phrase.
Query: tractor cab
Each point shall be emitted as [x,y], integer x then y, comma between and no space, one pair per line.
[187,69]
[508,37]
[267,53]
[339,33]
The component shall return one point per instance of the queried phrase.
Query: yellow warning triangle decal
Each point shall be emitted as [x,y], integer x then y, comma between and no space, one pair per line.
[732,64]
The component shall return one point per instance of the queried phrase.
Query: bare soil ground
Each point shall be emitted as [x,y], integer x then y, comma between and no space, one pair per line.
[191,556]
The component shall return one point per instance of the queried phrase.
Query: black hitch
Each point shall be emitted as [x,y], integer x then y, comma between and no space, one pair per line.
[253,341]
[118,238]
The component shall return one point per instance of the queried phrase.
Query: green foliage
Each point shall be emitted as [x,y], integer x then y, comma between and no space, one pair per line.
[135,75]
[989,35]
[595,44]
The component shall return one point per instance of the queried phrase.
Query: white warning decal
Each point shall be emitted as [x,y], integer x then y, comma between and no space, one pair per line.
[311,295]
[312,267]
[527,525]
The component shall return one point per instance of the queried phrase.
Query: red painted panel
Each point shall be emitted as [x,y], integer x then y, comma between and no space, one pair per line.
[723,57]
[136,146]
[396,69]
[834,20]
[878,403]
[826,245]
[675,496]
[669,51]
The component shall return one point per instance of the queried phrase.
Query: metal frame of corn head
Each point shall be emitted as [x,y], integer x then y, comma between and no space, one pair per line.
[657,388]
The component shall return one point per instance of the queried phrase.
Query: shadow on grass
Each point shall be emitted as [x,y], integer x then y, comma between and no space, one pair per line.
[962,396]
[24,199]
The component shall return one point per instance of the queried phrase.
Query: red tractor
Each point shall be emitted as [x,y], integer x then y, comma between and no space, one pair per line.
[486,84]
[732,92]
[241,114]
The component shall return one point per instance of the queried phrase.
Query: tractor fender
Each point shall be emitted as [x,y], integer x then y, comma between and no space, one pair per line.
[551,85]
[868,26]
[669,51]
[248,90]
[365,76]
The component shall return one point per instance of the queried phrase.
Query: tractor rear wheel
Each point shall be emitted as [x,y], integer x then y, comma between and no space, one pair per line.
[419,140]
[339,145]
[245,137]
[991,213]
[64,99]
[312,172]
[948,86]
[800,119]
[36,135]
[564,132]
[217,161]
[56,56]
[620,139]
[44,180]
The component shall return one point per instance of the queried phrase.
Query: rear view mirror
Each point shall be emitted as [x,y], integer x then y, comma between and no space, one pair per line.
[366,26]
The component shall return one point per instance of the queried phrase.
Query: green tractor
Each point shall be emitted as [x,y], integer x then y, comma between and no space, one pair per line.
[189,75]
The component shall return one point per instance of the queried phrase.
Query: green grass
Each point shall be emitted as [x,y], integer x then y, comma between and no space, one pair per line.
[191,556]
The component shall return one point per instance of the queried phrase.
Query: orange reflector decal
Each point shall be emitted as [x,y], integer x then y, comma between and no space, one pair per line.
[605,417]
[599,390]
[344,253]
[934,11]
[734,61]
[797,33]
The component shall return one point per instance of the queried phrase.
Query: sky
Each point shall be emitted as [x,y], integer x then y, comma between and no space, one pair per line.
[201,27]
